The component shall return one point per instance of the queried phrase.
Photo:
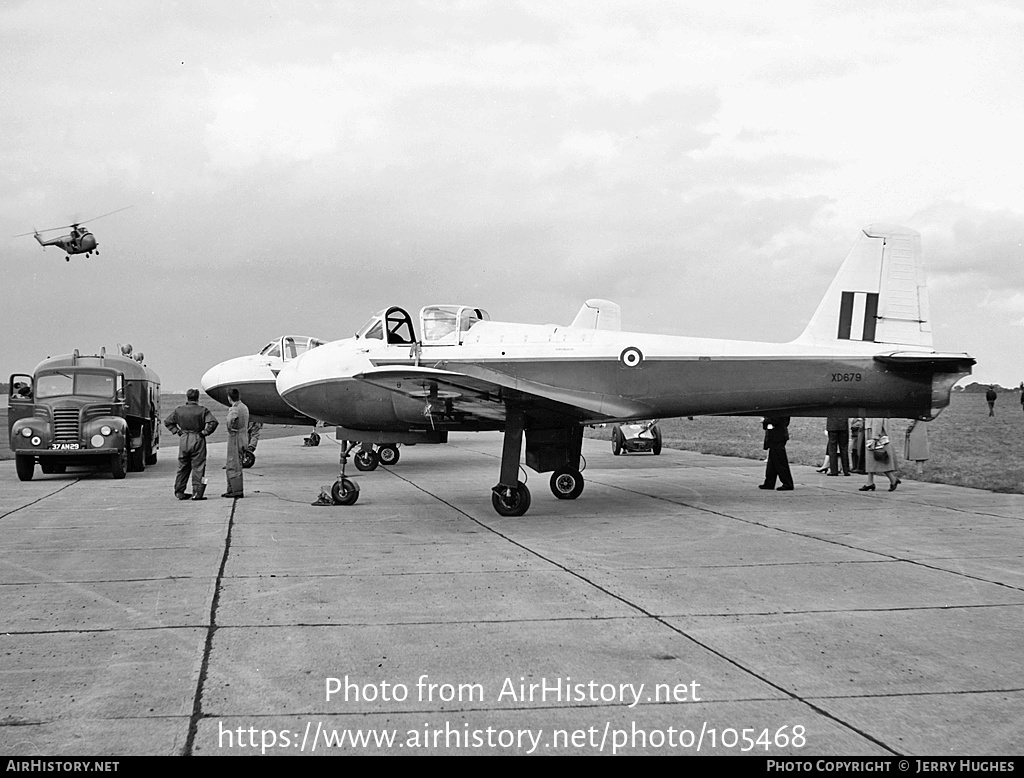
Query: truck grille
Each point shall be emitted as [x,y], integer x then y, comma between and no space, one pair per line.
[65,425]
[95,411]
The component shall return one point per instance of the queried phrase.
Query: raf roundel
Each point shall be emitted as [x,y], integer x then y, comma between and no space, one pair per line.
[631,357]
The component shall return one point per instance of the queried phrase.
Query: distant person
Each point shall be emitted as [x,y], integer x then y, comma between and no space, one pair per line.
[776,434]
[915,444]
[880,457]
[238,441]
[838,428]
[991,396]
[857,447]
[194,423]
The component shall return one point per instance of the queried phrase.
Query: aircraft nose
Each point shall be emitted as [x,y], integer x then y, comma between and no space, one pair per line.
[214,383]
[290,376]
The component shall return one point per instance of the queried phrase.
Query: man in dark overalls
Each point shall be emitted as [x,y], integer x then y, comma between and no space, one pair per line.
[776,434]
[194,423]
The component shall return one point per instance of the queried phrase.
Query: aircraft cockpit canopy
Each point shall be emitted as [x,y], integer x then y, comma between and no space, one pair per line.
[289,347]
[393,323]
[443,324]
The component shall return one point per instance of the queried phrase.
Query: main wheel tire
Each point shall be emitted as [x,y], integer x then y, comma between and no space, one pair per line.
[25,465]
[616,442]
[248,458]
[566,483]
[119,463]
[657,442]
[345,492]
[388,455]
[367,461]
[515,502]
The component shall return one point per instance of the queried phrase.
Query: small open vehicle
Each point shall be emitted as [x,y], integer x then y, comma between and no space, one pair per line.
[638,436]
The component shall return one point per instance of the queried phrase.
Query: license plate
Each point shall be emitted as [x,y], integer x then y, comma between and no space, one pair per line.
[64,446]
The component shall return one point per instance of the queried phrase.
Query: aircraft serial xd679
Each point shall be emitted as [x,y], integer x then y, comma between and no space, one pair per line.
[867,351]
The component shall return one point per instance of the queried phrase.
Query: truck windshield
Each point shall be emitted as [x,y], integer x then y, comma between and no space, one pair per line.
[61,384]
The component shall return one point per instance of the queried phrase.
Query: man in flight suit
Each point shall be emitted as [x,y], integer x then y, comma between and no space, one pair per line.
[238,441]
[194,423]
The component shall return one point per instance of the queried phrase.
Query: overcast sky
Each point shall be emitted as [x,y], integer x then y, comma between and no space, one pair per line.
[292,167]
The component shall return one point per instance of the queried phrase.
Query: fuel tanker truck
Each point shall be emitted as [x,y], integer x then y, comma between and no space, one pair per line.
[75,410]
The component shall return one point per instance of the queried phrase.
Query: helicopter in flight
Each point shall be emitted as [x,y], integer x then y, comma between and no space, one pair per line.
[79,241]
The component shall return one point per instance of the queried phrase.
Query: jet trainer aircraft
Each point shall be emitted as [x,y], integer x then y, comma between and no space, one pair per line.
[255,377]
[867,351]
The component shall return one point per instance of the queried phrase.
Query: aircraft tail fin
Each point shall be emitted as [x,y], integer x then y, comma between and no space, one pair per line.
[599,314]
[879,294]
[39,240]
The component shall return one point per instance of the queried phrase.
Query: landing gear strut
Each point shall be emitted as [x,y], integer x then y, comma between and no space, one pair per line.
[345,491]
[509,496]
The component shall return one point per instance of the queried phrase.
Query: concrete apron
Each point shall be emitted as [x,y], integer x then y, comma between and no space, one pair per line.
[673,606]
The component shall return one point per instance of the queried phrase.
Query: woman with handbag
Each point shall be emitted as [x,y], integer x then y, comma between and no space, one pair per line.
[878,455]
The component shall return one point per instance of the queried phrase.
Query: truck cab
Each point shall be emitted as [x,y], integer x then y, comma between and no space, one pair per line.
[85,410]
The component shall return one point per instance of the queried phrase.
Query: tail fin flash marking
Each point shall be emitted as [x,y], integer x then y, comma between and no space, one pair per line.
[858,312]
[878,295]
[870,316]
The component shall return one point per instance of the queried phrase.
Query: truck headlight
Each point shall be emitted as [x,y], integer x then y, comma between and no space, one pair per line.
[97,441]
[105,430]
[26,432]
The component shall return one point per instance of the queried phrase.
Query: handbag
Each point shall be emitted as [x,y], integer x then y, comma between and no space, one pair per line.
[877,446]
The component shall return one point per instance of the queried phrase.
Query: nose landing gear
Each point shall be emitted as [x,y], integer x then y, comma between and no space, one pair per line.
[345,491]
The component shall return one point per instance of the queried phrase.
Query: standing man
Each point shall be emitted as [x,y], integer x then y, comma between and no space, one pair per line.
[857,451]
[991,396]
[194,423]
[838,444]
[776,434]
[238,441]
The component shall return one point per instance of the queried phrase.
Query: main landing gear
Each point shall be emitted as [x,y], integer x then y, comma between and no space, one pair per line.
[368,458]
[558,450]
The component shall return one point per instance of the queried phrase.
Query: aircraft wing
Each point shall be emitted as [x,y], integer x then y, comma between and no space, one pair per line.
[482,392]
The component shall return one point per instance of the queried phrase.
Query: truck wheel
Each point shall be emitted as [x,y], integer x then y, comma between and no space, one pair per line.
[150,454]
[119,464]
[136,459]
[25,466]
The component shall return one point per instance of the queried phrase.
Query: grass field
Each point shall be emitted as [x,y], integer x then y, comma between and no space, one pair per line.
[968,447]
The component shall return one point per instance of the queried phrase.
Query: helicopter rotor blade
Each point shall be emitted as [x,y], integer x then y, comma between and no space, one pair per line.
[73,224]
[39,232]
[94,218]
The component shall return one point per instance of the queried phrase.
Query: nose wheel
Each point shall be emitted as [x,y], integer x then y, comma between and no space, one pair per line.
[345,491]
